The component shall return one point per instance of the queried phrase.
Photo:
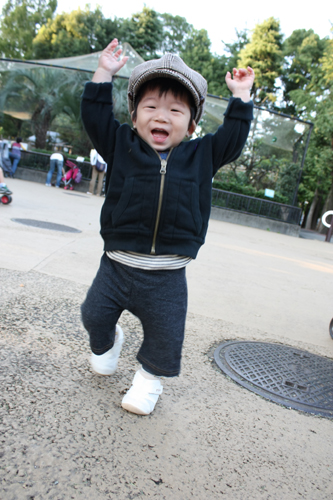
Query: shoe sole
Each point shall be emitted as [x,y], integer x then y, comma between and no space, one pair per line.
[102,374]
[134,409]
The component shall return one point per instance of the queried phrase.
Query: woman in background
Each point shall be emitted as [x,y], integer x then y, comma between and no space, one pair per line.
[15,154]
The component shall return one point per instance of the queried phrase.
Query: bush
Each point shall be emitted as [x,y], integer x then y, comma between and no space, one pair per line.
[234,187]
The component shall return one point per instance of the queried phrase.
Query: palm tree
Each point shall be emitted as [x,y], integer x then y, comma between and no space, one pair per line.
[37,91]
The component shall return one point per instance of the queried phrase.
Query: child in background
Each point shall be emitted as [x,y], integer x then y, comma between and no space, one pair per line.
[3,187]
[156,212]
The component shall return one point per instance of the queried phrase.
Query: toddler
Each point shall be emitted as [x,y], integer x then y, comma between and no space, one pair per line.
[157,206]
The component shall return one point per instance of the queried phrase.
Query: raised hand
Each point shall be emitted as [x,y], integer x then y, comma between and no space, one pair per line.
[241,82]
[109,63]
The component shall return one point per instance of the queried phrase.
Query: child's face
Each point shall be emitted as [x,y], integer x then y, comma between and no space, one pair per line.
[163,121]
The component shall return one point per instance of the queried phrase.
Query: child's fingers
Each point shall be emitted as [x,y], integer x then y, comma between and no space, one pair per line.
[123,61]
[118,53]
[112,45]
[242,73]
[114,42]
[251,71]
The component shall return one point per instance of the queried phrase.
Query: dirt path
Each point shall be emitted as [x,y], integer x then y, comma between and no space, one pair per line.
[65,436]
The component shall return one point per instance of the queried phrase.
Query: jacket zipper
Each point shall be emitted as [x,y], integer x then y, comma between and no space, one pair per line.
[160,199]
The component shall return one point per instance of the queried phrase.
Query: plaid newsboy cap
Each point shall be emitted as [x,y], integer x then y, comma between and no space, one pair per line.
[169,66]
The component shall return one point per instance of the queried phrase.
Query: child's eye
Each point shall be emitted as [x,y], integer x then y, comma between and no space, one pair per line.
[176,110]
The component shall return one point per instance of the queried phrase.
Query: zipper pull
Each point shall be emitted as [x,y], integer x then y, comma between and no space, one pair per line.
[163,167]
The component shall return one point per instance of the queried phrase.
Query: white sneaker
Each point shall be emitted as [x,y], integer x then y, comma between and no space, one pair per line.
[106,364]
[142,396]
[48,185]
[88,192]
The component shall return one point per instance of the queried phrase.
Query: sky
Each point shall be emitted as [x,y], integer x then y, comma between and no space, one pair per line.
[222,19]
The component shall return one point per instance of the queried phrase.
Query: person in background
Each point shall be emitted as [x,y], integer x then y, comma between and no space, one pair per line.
[56,160]
[3,187]
[15,154]
[98,172]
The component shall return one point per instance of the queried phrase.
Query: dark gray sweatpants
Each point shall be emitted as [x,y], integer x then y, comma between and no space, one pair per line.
[157,298]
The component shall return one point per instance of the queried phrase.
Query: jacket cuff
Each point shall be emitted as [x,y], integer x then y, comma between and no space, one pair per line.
[239,109]
[98,92]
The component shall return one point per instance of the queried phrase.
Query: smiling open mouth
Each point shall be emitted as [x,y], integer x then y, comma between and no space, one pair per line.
[159,135]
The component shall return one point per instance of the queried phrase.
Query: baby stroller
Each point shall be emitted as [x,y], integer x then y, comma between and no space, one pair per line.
[73,175]
[5,162]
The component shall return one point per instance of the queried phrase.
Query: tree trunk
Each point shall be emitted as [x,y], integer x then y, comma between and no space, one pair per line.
[41,127]
[41,121]
[308,223]
[327,206]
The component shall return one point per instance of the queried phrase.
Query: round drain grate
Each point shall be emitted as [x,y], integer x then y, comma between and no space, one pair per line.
[288,376]
[47,225]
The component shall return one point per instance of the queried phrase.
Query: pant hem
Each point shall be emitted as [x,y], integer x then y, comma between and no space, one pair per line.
[103,350]
[154,370]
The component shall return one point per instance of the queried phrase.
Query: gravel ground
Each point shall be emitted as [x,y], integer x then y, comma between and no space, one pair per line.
[65,436]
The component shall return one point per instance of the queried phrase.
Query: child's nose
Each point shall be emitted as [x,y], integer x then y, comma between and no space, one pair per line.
[161,116]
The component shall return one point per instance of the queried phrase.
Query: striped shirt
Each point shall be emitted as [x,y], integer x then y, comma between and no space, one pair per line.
[149,262]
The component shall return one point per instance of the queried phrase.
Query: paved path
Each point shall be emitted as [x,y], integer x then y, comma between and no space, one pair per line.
[65,434]
[279,284]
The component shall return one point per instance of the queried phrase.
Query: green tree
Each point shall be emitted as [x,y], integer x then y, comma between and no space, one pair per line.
[327,61]
[38,91]
[232,50]
[19,24]
[75,33]
[302,51]
[144,31]
[221,64]
[176,30]
[196,52]
[309,91]
[318,173]
[264,54]
[68,118]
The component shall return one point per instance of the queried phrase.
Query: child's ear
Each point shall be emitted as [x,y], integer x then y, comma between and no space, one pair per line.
[191,129]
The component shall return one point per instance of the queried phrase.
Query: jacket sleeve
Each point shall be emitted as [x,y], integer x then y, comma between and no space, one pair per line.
[231,136]
[98,118]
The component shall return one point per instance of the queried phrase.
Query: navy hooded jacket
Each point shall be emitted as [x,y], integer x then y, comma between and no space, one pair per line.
[155,206]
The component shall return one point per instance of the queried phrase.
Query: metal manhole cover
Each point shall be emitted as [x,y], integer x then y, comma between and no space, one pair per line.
[47,225]
[288,376]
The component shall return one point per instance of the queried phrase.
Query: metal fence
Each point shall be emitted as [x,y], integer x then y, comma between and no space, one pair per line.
[256,206]
[41,162]
[220,198]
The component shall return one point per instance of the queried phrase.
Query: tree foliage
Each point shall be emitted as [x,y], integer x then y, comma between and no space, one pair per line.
[302,51]
[144,32]
[264,54]
[19,24]
[294,76]
[176,30]
[40,90]
[75,33]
